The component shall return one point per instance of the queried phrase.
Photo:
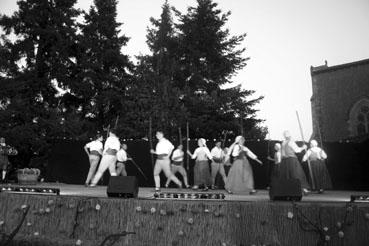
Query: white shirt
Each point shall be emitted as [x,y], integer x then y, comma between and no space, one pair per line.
[95,146]
[238,148]
[112,143]
[121,155]
[164,147]
[177,155]
[216,152]
[202,154]
[315,151]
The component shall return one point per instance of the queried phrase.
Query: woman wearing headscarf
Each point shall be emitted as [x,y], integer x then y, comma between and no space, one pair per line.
[240,177]
[290,167]
[319,171]
[201,168]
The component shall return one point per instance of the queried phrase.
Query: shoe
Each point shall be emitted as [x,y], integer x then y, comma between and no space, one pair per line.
[305,192]
[188,187]
[252,192]
[157,189]
[92,185]
[321,191]
[195,187]
[229,191]
[86,185]
[205,188]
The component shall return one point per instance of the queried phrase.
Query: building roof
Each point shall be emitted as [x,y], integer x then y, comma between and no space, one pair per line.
[325,68]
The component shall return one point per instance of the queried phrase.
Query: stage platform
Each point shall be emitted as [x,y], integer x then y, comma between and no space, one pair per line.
[86,216]
[148,193]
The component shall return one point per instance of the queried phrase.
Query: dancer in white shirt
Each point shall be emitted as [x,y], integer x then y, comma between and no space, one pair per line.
[94,151]
[319,171]
[217,164]
[122,158]
[109,158]
[177,165]
[163,151]
[201,168]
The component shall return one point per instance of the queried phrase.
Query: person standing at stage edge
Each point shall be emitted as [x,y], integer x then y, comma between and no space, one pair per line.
[240,176]
[94,150]
[5,151]
[290,167]
[109,158]
[163,151]
[201,169]
[122,158]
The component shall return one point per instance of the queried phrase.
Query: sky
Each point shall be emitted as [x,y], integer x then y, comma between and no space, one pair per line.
[284,39]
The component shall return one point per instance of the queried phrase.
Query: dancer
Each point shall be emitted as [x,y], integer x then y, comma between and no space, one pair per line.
[277,161]
[290,167]
[109,158]
[5,151]
[122,158]
[94,151]
[320,174]
[163,150]
[177,165]
[240,177]
[201,168]
[217,164]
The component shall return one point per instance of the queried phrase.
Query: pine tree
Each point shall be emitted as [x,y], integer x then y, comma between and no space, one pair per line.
[103,69]
[161,68]
[209,58]
[36,64]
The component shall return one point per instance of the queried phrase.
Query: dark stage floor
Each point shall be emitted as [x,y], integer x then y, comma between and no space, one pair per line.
[148,193]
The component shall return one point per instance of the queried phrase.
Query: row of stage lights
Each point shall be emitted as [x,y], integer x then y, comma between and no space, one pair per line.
[359,198]
[31,190]
[205,196]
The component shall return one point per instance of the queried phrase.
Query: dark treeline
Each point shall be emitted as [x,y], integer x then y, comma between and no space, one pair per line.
[63,75]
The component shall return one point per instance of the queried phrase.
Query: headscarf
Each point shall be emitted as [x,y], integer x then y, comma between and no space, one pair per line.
[314,143]
[203,141]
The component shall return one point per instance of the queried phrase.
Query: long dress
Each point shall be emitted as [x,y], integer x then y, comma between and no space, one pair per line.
[290,167]
[201,169]
[320,174]
[240,176]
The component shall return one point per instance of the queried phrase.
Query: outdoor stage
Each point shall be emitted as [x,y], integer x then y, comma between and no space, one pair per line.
[86,216]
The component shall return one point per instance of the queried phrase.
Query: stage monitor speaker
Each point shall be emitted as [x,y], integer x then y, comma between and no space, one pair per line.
[285,190]
[122,186]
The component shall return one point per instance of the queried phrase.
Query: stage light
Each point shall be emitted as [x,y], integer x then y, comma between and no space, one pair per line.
[29,190]
[192,196]
[359,198]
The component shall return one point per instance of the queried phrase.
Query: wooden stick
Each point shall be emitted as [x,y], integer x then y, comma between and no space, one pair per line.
[224,138]
[116,122]
[308,161]
[180,135]
[187,146]
[151,144]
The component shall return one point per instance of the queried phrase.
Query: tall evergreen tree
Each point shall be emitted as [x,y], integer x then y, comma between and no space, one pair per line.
[36,63]
[209,58]
[104,72]
[162,66]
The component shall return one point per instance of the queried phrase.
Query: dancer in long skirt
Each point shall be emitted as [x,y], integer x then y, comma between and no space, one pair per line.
[277,158]
[201,168]
[122,158]
[290,166]
[109,158]
[94,151]
[177,165]
[163,151]
[320,174]
[240,177]
[217,165]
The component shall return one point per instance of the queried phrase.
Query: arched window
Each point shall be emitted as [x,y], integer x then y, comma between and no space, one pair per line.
[359,118]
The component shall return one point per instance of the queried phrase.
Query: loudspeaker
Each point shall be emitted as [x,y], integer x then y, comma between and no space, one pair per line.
[285,190]
[122,186]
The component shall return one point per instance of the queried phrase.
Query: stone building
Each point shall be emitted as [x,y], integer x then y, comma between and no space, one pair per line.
[340,101]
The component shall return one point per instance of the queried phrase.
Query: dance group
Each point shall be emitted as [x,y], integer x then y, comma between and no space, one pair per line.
[240,178]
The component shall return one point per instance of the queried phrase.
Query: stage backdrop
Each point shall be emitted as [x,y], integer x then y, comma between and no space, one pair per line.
[348,163]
